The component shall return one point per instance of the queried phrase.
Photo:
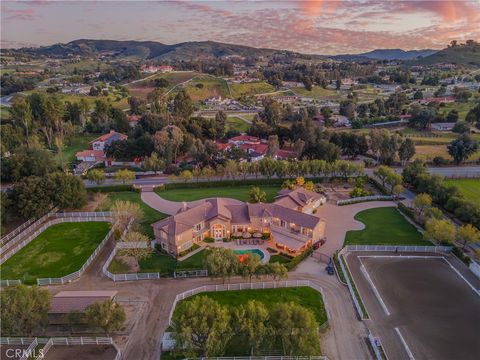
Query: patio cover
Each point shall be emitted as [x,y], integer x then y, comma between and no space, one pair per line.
[288,241]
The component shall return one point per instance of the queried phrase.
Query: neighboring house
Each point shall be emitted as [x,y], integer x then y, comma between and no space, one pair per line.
[285,154]
[300,199]
[91,155]
[244,139]
[66,302]
[443,126]
[153,68]
[133,120]
[107,139]
[291,230]
[439,100]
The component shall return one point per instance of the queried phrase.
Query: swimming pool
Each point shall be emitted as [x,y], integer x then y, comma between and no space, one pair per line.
[250,251]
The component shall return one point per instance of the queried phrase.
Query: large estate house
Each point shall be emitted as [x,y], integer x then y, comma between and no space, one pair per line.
[288,221]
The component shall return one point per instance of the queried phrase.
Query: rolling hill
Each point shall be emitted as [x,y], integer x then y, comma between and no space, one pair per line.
[386,54]
[149,49]
[466,55]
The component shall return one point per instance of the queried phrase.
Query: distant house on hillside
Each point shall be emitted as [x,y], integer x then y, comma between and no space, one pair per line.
[437,100]
[154,68]
[443,126]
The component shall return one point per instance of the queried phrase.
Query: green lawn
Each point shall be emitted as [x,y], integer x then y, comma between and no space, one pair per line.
[237,123]
[149,215]
[251,88]
[384,226]
[77,143]
[303,296]
[234,192]
[318,92]
[470,188]
[162,263]
[60,250]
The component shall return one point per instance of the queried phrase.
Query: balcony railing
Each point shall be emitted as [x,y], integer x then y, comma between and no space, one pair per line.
[290,232]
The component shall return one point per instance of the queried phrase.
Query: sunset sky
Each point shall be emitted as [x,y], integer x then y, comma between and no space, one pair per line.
[318,27]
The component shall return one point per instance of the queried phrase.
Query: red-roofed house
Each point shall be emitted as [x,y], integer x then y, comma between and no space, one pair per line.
[223,146]
[104,140]
[91,155]
[133,120]
[284,154]
[244,139]
[439,100]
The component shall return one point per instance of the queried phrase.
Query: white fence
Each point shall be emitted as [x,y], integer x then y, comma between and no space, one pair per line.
[427,249]
[126,277]
[10,282]
[190,273]
[59,341]
[346,272]
[475,268]
[77,274]
[365,198]
[242,286]
[30,350]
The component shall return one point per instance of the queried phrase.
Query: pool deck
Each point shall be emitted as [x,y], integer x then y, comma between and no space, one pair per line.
[233,246]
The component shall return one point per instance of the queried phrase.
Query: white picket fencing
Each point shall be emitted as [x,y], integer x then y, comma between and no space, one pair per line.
[387,248]
[127,277]
[68,278]
[28,351]
[59,341]
[242,286]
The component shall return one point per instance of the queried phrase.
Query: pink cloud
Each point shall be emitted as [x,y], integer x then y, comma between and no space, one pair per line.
[20,14]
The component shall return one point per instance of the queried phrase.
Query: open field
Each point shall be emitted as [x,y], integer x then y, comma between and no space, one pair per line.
[318,93]
[234,192]
[236,123]
[415,309]
[204,87]
[143,88]
[428,152]
[470,188]
[384,226]
[58,251]
[462,108]
[251,88]
[149,215]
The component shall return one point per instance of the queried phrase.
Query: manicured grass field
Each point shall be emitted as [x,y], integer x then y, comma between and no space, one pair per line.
[236,123]
[234,192]
[149,215]
[303,296]
[384,226]
[470,188]
[60,250]
[163,264]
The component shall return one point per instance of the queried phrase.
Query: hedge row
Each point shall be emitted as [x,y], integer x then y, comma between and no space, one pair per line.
[112,188]
[378,186]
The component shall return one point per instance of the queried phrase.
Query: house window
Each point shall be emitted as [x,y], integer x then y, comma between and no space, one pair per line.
[283,223]
[305,231]
[198,227]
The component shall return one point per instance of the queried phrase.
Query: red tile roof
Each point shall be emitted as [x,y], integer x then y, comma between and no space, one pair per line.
[223,146]
[245,138]
[96,153]
[258,148]
[105,137]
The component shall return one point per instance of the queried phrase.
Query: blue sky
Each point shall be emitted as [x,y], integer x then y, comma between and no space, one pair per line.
[321,27]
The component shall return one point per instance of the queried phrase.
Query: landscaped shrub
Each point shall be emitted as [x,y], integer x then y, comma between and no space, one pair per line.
[265,236]
[185,252]
[112,188]
[298,259]
[208,239]
[382,189]
[440,161]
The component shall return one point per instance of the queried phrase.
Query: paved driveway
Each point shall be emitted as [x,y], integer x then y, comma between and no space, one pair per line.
[168,207]
[340,219]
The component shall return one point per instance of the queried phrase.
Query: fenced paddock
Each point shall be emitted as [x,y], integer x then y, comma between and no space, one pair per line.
[247,286]
[127,277]
[19,242]
[432,310]
[56,341]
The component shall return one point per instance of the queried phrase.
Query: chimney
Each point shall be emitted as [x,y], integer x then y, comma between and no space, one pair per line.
[184,205]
